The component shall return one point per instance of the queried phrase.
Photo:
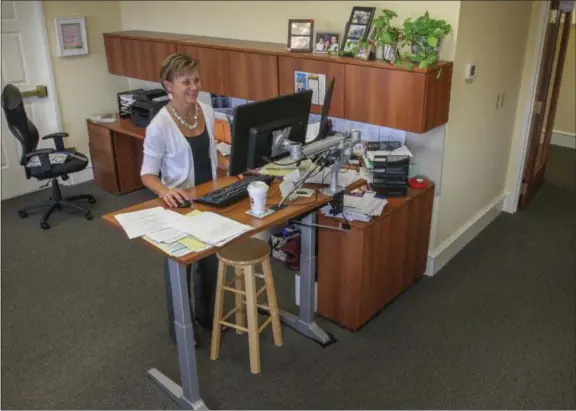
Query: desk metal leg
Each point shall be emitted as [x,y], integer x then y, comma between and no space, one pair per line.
[304,323]
[187,395]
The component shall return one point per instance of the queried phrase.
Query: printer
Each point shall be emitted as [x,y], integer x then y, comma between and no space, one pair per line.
[146,104]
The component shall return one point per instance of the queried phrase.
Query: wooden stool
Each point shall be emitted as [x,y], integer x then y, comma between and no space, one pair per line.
[243,256]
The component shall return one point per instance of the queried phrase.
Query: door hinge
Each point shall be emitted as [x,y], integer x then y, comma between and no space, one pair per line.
[523,189]
[538,107]
[553,16]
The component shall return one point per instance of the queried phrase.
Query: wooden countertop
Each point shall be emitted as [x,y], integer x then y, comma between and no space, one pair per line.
[123,126]
[236,211]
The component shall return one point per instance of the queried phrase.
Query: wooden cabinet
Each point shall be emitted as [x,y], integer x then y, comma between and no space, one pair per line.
[405,100]
[362,270]
[116,153]
[211,67]
[288,65]
[251,76]
[373,92]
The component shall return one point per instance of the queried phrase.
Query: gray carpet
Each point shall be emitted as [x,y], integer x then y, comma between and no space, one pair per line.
[84,317]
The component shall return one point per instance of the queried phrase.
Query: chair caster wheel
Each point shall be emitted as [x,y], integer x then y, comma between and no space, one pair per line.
[44,225]
[92,200]
[22,214]
[89,216]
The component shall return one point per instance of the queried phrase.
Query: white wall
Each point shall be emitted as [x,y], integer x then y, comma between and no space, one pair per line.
[479,136]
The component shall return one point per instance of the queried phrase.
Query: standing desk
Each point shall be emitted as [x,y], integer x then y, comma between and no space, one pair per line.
[188,393]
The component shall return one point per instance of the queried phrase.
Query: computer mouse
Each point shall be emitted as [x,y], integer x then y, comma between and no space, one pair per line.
[184,204]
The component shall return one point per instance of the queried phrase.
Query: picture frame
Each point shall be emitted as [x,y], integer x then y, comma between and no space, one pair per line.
[300,35]
[327,42]
[71,37]
[358,26]
[363,52]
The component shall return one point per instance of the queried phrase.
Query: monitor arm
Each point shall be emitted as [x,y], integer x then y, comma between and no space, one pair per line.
[339,147]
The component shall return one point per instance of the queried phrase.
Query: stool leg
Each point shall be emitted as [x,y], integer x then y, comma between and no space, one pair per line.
[252,314]
[272,303]
[218,306]
[240,311]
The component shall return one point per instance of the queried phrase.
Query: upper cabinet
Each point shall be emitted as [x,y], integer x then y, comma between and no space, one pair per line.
[373,92]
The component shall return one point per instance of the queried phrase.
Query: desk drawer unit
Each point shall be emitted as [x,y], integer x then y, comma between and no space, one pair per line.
[102,156]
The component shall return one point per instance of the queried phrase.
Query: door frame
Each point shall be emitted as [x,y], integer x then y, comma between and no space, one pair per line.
[512,201]
[46,55]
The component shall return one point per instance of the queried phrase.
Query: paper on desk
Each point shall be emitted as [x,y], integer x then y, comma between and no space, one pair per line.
[345,177]
[139,223]
[166,235]
[312,131]
[367,204]
[224,148]
[289,182]
[208,227]
[402,151]
[175,249]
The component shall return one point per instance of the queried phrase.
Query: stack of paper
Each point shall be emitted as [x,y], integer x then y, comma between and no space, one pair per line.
[358,208]
[285,166]
[345,177]
[208,227]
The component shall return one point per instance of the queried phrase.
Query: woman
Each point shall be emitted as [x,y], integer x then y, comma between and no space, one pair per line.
[179,153]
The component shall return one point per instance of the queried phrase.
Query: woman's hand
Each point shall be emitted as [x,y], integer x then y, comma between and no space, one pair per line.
[173,197]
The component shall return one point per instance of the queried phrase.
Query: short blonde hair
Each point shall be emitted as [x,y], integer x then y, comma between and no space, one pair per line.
[177,64]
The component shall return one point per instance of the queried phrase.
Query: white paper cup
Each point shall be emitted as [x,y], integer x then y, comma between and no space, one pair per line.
[258,192]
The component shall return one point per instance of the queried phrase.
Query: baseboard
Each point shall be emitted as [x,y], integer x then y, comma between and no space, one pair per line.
[563,139]
[439,257]
[82,176]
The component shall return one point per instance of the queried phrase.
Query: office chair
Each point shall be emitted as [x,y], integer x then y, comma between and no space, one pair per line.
[38,164]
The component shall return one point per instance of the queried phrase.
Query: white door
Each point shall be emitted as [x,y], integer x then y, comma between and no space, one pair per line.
[26,64]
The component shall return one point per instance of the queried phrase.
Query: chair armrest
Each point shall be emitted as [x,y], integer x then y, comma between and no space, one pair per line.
[43,152]
[58,139]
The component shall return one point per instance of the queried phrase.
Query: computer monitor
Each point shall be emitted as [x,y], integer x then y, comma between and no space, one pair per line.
[324,120]
[256,124]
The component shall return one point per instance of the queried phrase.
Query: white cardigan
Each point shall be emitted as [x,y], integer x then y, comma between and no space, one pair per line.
[166,150]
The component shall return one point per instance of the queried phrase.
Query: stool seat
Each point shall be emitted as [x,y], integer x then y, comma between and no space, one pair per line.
[248,252]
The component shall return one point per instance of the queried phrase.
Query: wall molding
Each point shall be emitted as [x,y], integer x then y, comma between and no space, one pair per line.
[563,139]
[439,257]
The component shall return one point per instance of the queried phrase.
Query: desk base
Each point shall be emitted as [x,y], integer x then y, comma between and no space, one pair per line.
[175,391]
[310,330]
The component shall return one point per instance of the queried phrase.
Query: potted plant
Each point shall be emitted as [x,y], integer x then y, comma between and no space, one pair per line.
[424,35]
[385,36]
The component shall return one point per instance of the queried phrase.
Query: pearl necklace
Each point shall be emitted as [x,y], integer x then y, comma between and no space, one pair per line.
[184,122]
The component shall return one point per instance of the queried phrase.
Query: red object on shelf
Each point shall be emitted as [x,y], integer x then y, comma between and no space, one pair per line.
[416,182]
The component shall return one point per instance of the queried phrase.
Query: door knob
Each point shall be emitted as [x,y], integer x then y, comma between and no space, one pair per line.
[40,91]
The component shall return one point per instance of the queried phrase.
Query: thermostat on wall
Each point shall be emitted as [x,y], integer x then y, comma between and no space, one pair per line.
[470,71]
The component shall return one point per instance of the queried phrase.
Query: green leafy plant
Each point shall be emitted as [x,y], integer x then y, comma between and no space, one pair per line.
[383,31]
[424,35]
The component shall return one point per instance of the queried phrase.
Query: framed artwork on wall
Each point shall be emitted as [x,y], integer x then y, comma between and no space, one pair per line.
[71,38]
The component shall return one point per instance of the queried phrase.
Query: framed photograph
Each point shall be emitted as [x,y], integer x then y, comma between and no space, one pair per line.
[351,46]
[71,38]
[364,52]
[300,33]
[362,15]
[327,42]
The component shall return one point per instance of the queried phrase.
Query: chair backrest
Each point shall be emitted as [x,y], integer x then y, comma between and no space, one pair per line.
[18,123]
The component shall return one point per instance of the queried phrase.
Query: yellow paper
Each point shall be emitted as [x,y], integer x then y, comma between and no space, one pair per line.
[193,244]
[193,213]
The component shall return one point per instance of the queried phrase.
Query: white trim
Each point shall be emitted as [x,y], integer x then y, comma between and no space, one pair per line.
[457,241]
[563,139]
[52,93]
[512,204]
[82,176]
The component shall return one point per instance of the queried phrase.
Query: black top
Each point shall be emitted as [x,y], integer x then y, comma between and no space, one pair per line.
[200,146]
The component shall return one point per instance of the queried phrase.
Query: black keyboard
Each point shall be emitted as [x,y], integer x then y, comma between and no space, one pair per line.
[233,193]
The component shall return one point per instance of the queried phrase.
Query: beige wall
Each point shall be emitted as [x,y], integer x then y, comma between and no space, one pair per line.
[566,112]
[479,136]
[268,20]
[83,84]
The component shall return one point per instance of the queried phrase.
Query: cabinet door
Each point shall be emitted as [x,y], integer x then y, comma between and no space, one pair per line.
[251,76]
[287,67]
[387,97]
[211,67]
[102,158]
[140,59]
